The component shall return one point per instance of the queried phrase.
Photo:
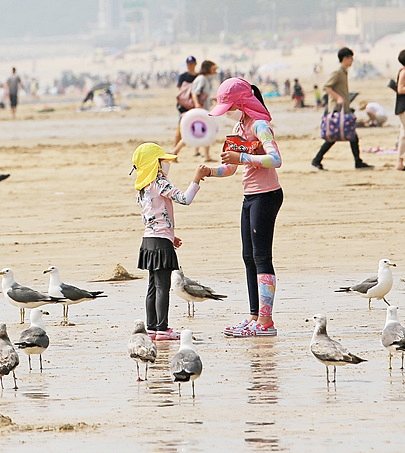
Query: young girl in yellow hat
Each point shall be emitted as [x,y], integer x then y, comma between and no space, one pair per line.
[157,252]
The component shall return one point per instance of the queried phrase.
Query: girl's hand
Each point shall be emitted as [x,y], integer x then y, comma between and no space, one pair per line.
[230,157]
[200,173]
[177,242]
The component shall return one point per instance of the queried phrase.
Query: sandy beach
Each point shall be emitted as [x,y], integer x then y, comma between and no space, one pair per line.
[70,203]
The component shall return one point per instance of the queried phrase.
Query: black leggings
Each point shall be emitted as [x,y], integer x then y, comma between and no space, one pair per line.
[157,299]
[259,212]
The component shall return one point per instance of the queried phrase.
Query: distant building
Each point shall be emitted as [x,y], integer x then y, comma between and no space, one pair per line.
[370,23]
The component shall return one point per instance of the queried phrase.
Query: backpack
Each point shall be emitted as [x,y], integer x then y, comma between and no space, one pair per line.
[184,98]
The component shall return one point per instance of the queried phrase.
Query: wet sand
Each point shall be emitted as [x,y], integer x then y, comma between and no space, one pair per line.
[70,202]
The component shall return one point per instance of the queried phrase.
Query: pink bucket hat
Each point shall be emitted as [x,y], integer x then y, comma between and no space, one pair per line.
[238,92]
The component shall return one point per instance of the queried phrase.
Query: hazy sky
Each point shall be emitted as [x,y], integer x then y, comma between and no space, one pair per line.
[31,18]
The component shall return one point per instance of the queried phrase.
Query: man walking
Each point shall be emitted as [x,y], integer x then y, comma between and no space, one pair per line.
[13,84]
[337,89]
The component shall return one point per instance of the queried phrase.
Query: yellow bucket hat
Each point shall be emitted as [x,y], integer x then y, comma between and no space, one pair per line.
[146,162]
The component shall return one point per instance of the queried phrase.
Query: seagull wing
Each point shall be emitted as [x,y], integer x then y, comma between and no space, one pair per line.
[392,334]
[365,285]
[328,350]
[26,294]
[34,336]
[74,293]
[142,348]
[185,364]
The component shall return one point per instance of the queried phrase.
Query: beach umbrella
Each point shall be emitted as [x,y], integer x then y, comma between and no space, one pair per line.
[101,86]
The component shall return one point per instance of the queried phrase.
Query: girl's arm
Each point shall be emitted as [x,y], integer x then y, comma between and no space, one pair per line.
[401,82]
[168,190]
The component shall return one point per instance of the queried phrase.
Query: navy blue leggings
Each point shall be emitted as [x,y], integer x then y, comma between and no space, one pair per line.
[259,212]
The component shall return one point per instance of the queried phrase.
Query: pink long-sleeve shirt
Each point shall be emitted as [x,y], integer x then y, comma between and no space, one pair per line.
[259,170]
[156,201]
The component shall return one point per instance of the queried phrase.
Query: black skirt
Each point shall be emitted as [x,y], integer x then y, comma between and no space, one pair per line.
[156,254]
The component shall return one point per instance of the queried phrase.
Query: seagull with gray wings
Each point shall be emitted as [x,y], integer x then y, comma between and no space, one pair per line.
[393,335]
[9,359]
[34,340]
[23,296]
[376,287]
[71,294]
[186,364]
[192,291]
[141,348]
[328,351]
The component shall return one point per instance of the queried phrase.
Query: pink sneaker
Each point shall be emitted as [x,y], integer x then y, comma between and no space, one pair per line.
[168,334]
[254,329]
[229,331]
[152,334]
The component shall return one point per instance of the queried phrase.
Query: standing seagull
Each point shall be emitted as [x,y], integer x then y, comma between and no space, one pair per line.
[70,293]
[393,335]
[22,296]
[376,287]
[186,364]
[192,291]
[8,357]
[329,351]
[34,340]
[141,348]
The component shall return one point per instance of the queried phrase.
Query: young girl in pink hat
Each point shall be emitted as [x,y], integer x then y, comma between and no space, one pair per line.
[263,197]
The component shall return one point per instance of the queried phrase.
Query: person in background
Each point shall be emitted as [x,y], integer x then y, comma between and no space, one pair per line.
[13,84]
[157,253]
[400,111]
[318,97]
[377,116]
[259,155]
[188,77]
[337,88]
[298,95]
[201,95]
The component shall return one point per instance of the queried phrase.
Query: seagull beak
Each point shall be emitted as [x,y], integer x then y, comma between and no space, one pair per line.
[45,312]
[46,271]
[393,264]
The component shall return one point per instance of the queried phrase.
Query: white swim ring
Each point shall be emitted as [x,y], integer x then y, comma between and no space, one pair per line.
[197,128]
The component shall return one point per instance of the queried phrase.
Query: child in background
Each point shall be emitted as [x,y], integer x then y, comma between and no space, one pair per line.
[157,252]
[318,97]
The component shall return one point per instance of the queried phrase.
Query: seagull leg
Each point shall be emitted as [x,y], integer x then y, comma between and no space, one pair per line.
[15,381]
[137,369]
[22,315]
[146,371]
[327,375]
[192,385]
[1,380]
[40,362]
[188,309]
[193,308]
[179,390]
[369,304]
[29,362]
[334,374]
[402,361]
[390,362]
[386,301]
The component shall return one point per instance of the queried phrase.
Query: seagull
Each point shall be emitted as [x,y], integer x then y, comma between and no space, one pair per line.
[186,364]
[9,359]
[71,294]
[22,296]
[192,291]
[141,348]
[329,351]
[34,340]
[376,287]
[393,335]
